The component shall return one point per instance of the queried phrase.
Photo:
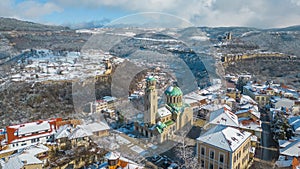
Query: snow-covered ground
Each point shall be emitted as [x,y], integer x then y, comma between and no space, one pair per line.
[43,65]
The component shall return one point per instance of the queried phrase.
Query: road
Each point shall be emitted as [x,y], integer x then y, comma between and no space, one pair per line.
[268,148]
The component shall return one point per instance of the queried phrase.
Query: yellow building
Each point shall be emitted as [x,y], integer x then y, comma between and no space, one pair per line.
[258,93]
[99,105]
[223,147]
[160,124]
[32,157]
[107,72]
[233,94]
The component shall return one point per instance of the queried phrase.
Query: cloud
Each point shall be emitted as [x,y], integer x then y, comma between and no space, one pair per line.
[296,2]
[255,13]
[33,9]
[29,10]
[6,8]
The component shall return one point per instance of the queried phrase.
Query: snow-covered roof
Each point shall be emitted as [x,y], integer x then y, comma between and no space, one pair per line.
[292,149]
[224,137]
[36,149]
[112,155]
[227,107]
[283,163]
[32,127]
[241,111]
[246,106]
[223,116]
[14,163]
[96,126]
[26,157]
[33,137]
[250,124]
[79,132]
[247,99]
[133,166]
[29,159]
[283,143]
[295,123]
[212,107]
[256,113]
[252,111]
[63,132]
[194,96]
[254,138]
[163,111]
[125,163]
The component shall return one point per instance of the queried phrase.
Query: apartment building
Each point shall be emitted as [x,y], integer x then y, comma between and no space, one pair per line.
[223,147]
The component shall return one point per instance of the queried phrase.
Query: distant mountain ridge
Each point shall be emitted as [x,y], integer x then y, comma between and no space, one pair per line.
[290,28]
[10,24]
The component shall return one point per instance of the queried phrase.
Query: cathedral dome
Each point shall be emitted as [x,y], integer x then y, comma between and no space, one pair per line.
[151,78]
[173,91]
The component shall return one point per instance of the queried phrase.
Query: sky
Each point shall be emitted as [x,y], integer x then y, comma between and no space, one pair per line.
[213,13]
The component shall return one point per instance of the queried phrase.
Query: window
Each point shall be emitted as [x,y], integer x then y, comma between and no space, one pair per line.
[221,158]
[211,166]
[202,151]
[212,154]
[246,147]
[244,159]
[202,163]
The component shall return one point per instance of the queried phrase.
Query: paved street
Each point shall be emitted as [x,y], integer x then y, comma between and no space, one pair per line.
[268,150]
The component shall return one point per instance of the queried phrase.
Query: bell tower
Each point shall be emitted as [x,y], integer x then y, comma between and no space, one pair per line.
[150,101]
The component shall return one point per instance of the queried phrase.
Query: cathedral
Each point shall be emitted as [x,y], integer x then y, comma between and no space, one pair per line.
[160,124]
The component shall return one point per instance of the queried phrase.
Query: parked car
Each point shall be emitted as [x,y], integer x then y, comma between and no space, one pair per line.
[173,166]
[156,158]
[132,135]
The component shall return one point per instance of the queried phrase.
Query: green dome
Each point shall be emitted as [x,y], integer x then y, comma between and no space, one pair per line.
[151,78]
[173,91]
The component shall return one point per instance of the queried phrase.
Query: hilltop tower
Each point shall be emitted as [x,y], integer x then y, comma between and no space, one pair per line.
[229,36]
[108,67]
[150,101]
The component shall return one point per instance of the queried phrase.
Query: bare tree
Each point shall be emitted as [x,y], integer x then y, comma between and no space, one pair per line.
[186,153]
